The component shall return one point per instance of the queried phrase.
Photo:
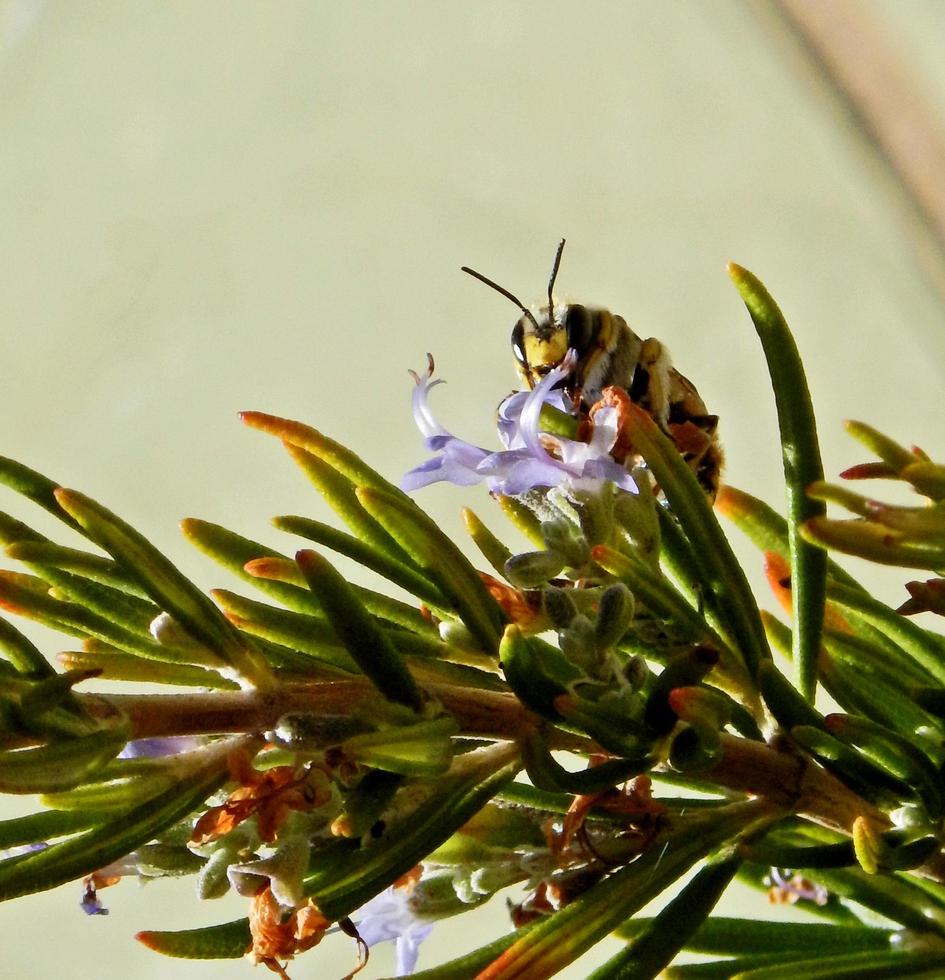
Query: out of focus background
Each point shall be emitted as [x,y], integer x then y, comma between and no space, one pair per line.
[215,206]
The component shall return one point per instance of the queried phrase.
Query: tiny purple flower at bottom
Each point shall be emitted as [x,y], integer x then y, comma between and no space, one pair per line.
[111,874]
[525,462]
[91,904]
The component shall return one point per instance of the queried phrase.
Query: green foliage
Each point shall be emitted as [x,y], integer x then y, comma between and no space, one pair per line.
[503,731]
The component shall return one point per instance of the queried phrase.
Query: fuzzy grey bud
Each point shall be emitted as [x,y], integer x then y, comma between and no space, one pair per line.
[559,606]
[562,537]
[614,615]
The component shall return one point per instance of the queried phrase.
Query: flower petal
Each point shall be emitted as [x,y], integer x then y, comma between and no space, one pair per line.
[526,461]
[388,917]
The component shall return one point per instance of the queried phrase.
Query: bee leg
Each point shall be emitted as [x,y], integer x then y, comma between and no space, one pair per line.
[651,384]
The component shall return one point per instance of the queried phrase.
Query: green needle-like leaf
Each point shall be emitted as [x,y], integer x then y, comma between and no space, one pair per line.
[424,749]
[870,780]
[127,611]
[766,528]
[335,471]
[881,689]
[523,519]
[719,571]
[563,937]
[656,945]
[108,796]
[898,754]
[895,456]
[95,848]
[720,969]
[339,493]
[889,965]
[36,487]
[873,542]
[174,593]
[469,964]
[493,550]
[339,457]
[116,666]
[537,672]
[364,640]
[47,553]
[58,765]
[783,700]
[802,466]
[547,773]
[227,941]
[234,552]
[21,652]
[43,827]
[923,647]
[12,530]
[364,554]
[743,936]
[18,595]
[439,558]
[311,635]
[278,575]
[892,896]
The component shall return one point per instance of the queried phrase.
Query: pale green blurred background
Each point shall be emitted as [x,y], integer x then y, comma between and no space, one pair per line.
[211,206]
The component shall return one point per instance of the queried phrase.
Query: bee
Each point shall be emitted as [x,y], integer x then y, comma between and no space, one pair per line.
[610,354]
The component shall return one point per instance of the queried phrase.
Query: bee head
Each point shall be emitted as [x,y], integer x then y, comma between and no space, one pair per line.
[540,342]
[540,339]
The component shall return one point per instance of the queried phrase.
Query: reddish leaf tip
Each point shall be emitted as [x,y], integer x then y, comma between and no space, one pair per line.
[306,558]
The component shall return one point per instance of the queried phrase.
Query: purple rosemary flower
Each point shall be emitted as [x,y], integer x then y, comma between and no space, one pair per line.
[111,874]
[531,458]
[91,904]
[387,917]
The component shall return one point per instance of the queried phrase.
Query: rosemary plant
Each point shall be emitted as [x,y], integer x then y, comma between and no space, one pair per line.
[345,759]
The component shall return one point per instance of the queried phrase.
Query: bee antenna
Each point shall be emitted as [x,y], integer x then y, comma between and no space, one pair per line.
[551,280]
[504,292]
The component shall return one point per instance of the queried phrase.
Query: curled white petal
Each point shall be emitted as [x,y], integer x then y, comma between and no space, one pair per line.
[387,917]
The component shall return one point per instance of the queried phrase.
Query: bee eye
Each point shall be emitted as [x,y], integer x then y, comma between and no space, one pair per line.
[518,344]
[577,327]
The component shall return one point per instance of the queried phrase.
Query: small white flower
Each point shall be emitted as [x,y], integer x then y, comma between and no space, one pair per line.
[387,917]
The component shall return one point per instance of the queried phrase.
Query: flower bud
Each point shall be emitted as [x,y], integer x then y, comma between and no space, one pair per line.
[562,537]
[533,568]
[614,615]
[579,644]
[559,606]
